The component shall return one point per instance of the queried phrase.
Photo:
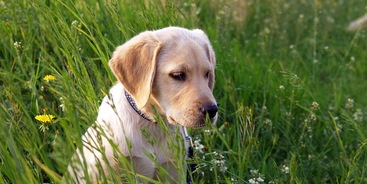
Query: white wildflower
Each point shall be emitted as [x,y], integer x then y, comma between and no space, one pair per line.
[315,106]
[256,180]
[256,177]
[18,45]
[260,180]
[268,122]
[198,146]
[358,115]
[254,171]
[352,58]
[285,169]
[349,104]
[62,105]
[252,181]
[264,108]
[75,23]
[220,162]
[312,117]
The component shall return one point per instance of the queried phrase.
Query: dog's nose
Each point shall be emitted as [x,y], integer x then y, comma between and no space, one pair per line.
[211,110]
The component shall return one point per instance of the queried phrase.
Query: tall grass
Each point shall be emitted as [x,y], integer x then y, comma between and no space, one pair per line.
[290,85]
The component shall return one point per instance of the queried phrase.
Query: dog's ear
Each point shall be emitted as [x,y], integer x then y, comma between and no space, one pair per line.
[134,65]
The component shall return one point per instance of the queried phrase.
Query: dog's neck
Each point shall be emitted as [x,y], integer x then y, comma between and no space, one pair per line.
[133,105]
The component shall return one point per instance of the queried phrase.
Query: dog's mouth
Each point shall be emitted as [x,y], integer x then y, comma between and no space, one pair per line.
[172,121]
[187,124]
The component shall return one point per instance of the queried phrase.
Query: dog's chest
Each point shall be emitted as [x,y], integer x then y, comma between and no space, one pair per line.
[155,146]
[152,155]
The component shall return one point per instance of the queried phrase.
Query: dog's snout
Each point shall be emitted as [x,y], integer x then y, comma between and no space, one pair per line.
[211,110]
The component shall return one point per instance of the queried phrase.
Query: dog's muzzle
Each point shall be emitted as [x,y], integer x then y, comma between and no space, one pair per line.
[211,110]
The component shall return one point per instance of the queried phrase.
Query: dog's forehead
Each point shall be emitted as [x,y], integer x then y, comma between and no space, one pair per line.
[183,49]
[184,55]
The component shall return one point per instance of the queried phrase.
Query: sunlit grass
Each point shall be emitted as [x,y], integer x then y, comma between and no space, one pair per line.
[290,84]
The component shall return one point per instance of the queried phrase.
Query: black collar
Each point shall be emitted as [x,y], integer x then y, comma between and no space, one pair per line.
[133,105]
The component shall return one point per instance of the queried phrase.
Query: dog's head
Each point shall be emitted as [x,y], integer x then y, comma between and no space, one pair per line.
[171,69]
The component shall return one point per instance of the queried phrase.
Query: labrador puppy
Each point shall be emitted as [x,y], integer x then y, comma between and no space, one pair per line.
[167,74]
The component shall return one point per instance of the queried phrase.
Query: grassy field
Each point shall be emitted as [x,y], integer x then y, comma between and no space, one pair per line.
[291,85]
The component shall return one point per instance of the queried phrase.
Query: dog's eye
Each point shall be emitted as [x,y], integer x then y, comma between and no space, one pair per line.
[180,76]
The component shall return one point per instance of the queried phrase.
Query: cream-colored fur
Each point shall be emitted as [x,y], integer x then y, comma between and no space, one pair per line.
[169,71]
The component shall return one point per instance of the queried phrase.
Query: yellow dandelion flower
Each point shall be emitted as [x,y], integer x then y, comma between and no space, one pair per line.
[49,78]
[46,118]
